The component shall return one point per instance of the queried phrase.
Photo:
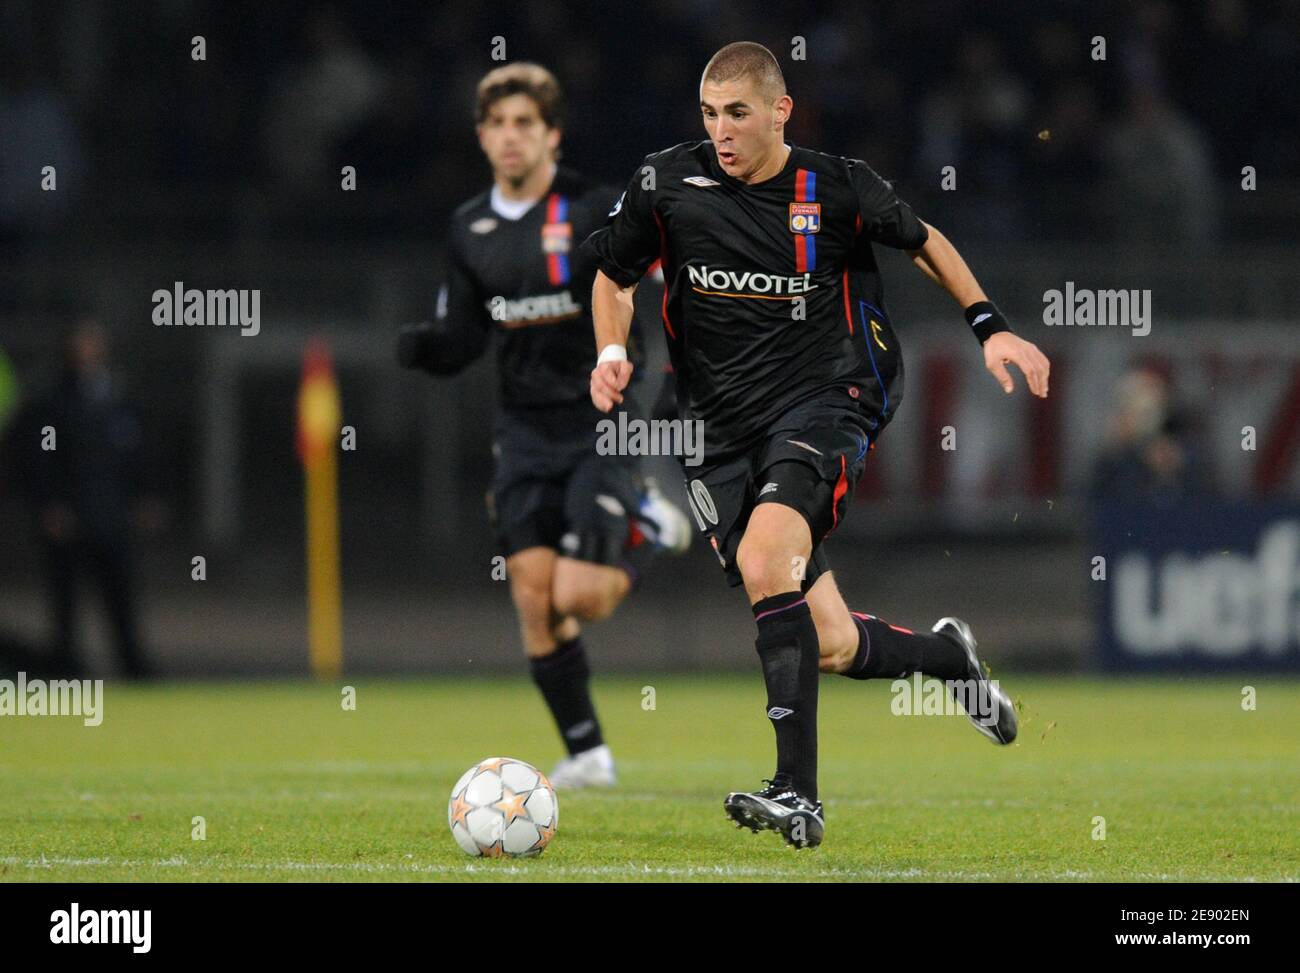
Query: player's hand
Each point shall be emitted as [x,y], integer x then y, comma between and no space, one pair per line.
[608,380]
[1005,347]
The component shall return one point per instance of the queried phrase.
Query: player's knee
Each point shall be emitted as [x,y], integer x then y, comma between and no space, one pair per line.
[591,595]
[532,598]
[574,594]
[766,570]
[571,599]
[613,587]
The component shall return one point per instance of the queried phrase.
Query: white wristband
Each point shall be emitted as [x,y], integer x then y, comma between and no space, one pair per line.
[612,353]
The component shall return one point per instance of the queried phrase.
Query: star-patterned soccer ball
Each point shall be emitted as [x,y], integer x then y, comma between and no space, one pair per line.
[503,807]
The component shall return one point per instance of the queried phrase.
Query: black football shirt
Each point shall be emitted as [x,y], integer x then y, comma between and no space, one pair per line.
[773,293]
[527,282]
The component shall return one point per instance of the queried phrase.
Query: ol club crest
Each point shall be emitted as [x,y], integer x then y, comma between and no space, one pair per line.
[805,217]
[557,237]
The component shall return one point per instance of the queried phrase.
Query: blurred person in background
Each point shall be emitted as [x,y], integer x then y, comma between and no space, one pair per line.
[1149,452]
[975,122]
[15,655]
[42,152]
[313,104]
[77,455]
[1160,176]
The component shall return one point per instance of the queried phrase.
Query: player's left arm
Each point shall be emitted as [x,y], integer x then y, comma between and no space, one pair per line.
[939,260]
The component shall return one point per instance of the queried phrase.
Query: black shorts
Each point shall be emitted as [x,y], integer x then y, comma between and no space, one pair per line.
[550,487]
[810,460]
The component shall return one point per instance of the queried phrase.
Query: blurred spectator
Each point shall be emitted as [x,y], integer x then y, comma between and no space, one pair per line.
[83,493]
[313,105]
[1161,184]
[36,130]
[395,141]
[1070,154]
[976,122]
[1150,452]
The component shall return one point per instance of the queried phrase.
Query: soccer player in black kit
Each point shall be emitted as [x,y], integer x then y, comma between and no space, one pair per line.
[571,523]
[783,346]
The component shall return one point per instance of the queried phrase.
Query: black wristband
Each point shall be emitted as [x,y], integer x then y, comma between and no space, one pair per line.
[985,320]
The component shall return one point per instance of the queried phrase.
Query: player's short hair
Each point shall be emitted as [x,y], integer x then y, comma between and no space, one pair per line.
[522,78]
[745,59]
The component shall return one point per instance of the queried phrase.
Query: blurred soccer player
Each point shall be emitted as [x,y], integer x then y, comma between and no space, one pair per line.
[783,347]
[574,525]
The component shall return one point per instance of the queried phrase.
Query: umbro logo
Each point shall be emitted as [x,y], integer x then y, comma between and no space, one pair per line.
[580,729]
[777,712]
[702,181]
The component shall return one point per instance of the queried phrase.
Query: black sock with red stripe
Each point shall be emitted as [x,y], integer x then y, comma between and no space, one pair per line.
[889,652]
[787,646]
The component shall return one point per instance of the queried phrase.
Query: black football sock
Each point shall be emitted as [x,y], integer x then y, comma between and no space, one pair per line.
[563,678]
[787,647]
[889,652]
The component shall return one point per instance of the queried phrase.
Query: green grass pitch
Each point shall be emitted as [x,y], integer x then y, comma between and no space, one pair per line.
[293,787]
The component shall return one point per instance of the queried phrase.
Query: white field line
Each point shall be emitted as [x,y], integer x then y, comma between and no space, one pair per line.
[421,794]
[628,870]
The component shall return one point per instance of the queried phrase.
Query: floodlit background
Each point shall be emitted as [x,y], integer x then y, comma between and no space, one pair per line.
[1171,166]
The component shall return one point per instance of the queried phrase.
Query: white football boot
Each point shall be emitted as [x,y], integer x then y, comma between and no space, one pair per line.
[591,768]
[662,521]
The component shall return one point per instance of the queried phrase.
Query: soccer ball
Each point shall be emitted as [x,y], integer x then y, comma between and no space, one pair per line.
[503,807]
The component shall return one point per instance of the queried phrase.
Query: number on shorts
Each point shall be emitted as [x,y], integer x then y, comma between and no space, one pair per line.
[702,504]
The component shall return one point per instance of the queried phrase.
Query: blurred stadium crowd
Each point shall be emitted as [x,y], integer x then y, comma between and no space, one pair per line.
[250,141]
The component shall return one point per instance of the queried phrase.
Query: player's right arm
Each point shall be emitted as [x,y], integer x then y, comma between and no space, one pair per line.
[459,330]
[611,313]
[624,249]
